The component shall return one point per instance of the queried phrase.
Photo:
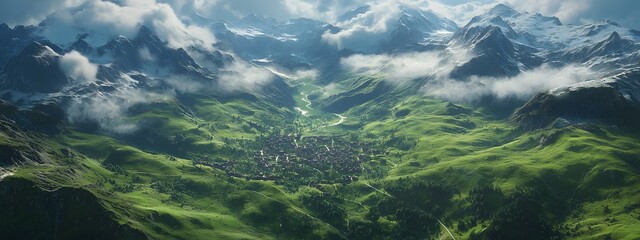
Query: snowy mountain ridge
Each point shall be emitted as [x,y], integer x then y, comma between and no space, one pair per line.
[502,43]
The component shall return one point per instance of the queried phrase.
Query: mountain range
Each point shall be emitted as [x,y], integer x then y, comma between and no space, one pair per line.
[513,126]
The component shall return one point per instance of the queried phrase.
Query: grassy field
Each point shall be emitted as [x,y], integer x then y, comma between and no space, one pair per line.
[588,168]
[443,170]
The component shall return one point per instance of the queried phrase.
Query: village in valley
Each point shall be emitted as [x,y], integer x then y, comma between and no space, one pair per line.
[294,160]
[309,151]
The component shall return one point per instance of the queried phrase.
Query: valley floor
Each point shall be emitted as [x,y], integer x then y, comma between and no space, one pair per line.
[415,168]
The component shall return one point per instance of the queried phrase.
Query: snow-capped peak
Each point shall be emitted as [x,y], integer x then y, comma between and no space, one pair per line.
[426,19]
[45,52]
[503,10]
[546,33]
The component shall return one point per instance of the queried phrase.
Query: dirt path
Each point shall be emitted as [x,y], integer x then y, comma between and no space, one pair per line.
[445,228]
[341,121]
[378,190]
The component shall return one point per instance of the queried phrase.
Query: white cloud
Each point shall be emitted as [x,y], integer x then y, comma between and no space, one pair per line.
[109,111]
[104,20]
[235,77]
[21,12]
[457,91]
[365,30]
[182,84]
[624,11]
[460,13]
[522,86]
[437,67]
[78,67]
[541,79]
[565,10]
[324,10]
[308,73]
[399,69]
[146,55]
[331,89]
[572,12]
[244,77]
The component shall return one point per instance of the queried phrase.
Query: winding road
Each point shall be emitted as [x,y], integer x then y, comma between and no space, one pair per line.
[341,121]
[306,99]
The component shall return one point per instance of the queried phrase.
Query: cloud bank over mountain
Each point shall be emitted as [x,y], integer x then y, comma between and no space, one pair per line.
[398,69]
[574,12]
[109,112]
[522,86]
[105,19]
[436,67]
[78,67]
[366,33]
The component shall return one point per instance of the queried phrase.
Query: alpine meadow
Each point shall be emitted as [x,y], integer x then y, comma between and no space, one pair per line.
[329,119]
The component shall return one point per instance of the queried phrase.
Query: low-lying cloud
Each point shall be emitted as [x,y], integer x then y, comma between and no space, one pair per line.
[184,84]
[436,67]
[237,77]
[103,20]
[576,11]
[570,12]
[305,74]
[398,69]
[20,12]
[522,86]
[109,110]
[244,77]
[78,67]
[364,30]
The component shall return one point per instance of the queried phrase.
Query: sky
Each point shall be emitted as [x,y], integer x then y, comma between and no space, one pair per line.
[20,12]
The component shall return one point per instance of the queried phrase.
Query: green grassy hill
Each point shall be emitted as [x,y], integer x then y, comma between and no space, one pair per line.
[427,169]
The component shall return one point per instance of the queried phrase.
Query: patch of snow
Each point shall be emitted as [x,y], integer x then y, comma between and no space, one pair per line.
[278,73]
[547,33]
[47,53]
[286,38]
[246,32]
[597,83]
[303,112]
[263,60]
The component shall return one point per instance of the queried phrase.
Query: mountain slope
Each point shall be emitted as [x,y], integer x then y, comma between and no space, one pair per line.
[277,131]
